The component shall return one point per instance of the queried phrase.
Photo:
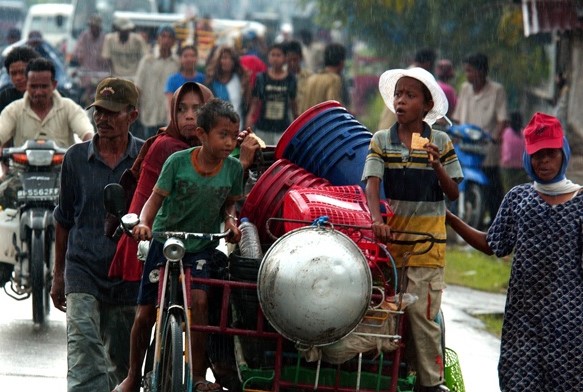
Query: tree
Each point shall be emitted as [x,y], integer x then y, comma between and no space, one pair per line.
[395,29]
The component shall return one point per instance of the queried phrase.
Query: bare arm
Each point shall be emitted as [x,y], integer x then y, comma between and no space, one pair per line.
[381,230]
[58,286]
[143,231]
[475,238]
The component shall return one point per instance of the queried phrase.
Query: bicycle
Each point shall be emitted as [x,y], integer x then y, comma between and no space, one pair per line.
[171,364]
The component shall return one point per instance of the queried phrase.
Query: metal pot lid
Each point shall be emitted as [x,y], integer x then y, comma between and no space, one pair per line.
[314,285]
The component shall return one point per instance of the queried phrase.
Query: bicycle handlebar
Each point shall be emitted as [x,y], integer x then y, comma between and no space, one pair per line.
[185,235]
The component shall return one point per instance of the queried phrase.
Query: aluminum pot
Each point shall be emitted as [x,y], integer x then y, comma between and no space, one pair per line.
[314,285]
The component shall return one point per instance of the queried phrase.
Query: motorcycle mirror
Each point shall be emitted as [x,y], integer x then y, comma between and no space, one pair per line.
[114,199]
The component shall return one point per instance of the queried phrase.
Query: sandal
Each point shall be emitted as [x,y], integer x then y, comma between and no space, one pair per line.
[207,386]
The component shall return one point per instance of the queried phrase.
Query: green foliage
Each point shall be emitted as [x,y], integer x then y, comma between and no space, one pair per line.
[396,29]
[470,268]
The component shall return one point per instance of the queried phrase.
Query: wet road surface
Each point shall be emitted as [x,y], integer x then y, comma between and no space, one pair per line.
[34,360]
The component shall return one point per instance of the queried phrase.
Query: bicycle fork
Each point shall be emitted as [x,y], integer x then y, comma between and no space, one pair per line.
[169,305]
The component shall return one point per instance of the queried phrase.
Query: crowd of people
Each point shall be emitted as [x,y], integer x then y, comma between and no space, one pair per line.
[190,119]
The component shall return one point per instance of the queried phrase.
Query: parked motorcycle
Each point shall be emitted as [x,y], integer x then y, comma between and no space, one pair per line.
[27,230]
[470,143]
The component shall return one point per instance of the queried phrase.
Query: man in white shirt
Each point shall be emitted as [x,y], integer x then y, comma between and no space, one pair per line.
[42,111]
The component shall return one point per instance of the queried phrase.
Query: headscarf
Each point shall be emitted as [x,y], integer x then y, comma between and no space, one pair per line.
[559,184]
[172,128]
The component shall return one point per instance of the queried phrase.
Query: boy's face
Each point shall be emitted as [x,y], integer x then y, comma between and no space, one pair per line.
[276,58]
[186,114]
[221,140]
[409,101]
[294,61]
[17,72]
[188,59]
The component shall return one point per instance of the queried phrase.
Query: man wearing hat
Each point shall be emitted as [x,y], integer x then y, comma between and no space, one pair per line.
[123,49]
[153,72]
[100,310]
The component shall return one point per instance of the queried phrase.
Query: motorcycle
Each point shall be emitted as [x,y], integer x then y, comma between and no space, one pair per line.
[27,231]
[470,144]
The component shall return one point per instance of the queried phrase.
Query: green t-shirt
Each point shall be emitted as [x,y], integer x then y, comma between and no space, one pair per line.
[194,202]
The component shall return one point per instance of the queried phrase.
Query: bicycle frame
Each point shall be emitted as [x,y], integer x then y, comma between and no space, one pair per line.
[173,297]
[174,305]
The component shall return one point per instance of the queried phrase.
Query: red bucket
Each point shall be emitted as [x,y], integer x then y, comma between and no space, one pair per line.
[266,197]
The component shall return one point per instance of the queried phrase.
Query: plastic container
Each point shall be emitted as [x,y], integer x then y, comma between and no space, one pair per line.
[343,205]
[250,244]
[266,198]
[332,144]
[453,372]
[299,123]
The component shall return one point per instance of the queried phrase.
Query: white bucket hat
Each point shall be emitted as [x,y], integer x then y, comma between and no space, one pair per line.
[389,79]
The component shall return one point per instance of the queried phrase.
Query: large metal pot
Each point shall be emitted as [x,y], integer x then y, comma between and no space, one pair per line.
[314,285]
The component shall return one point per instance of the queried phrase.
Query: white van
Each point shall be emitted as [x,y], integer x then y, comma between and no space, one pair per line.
[52,20]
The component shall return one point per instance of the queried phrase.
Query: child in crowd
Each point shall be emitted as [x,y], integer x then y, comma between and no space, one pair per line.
[511,170]
[275,92]
[188,73]
[196,192]
[416,180]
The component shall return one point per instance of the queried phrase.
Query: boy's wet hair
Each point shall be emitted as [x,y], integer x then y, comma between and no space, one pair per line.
[184,48]
[280,46]
[20,53]
[334,54]
[479,61]
[41,64]
[294,47]
[208,115]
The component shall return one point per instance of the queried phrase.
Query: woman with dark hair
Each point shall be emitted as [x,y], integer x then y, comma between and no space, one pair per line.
[228,80]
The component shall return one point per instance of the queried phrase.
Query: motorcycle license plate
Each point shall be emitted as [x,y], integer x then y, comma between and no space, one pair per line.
[38,194]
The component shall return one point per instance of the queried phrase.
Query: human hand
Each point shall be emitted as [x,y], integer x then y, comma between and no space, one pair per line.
[382,231]
[142,232]
[235,235]
[58,292]
[433,153]
[249,147]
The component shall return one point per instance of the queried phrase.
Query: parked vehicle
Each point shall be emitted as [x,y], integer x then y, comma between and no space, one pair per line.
[12,14]
[470,142]
[52,20]
[27,232]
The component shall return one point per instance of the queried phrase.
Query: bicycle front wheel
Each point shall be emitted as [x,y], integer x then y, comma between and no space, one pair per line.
[172,359]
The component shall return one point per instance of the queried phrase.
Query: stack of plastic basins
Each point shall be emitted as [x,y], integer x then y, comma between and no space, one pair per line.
[327,141]
[266,197]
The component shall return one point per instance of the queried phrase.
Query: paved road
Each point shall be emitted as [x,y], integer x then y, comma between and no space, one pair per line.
[478,351]
[34,360]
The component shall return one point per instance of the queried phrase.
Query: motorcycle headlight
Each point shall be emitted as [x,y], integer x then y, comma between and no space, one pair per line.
[174,249]
[39,157]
